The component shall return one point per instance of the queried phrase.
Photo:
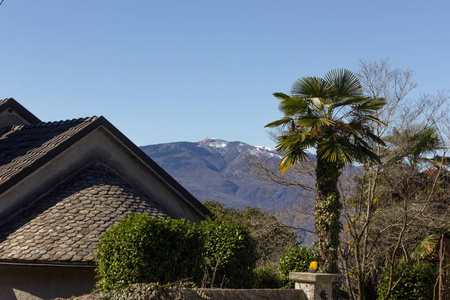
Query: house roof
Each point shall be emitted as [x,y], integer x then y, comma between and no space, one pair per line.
[64,226]
[64,183]
[11,104]
[24,145]
[25,148]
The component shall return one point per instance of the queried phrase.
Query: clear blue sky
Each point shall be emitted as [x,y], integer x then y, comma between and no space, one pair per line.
[166,71]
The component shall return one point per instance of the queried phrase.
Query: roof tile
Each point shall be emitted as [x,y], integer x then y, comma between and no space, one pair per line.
[24,144]
[65,225]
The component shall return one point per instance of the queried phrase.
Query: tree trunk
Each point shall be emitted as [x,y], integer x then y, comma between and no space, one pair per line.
[328,211]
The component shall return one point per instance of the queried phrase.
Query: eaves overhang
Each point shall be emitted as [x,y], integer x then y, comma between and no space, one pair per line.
[10,103]
[97,123]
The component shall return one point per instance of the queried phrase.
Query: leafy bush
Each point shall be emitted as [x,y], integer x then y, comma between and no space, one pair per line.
[296,259]
[268,277]
[272,237]
[418,281]
[142,249]
[230,255]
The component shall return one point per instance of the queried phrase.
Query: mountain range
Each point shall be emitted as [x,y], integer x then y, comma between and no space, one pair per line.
[214,169]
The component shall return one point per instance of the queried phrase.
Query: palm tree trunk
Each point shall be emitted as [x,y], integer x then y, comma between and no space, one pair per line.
[328,209]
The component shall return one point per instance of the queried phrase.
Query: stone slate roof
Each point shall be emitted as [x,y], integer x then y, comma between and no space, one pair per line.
[25,148]
[10,103]
[65,225]
[23,145]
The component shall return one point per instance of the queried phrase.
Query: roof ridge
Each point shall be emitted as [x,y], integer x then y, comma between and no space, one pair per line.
[24,145]
[5,100]
[59,122]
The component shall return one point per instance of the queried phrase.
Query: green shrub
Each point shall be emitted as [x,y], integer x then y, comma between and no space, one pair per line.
[230,255]
[268,277]
[272,237]
[296,259]
[418,281]
[142,249]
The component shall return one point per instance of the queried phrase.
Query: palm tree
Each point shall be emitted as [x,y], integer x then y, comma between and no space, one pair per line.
[428,246]
[332,115]
[412,146]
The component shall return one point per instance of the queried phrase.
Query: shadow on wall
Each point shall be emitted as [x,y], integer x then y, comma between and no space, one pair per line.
[32,282]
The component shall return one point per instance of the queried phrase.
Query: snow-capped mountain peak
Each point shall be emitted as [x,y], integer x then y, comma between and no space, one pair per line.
[213,142]
[215,169]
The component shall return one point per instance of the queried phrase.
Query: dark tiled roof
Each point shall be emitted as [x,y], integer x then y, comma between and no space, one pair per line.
[11,103]
[23,145]
[65,225]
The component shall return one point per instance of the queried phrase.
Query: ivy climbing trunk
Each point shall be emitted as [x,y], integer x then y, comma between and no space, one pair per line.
[328,211]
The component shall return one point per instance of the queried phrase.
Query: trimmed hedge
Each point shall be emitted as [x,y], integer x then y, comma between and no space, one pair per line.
[142,249]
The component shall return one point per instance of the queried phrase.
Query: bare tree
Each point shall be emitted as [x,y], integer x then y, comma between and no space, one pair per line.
[272,237]
[300,178]
[377,229]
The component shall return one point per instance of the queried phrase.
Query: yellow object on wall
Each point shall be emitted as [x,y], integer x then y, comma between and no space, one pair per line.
[313,266]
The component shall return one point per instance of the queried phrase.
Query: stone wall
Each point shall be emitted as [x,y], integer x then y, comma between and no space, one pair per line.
[254,294]
[233,294]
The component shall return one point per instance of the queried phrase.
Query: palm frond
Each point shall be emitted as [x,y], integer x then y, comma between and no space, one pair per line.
[440,162]
[413,143]
[330,114]
[350,101]
[293,106]
[294,151]
[317,102]
[372,104]
[425,247]
[314,121]
[427,139]
[281,122]
[344,83]
[281,96]
[365,154]
[333,151]
[311,87]
[374,119]
[299,140]
[374,138]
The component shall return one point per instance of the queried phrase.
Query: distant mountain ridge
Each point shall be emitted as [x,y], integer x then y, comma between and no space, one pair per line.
[214,169]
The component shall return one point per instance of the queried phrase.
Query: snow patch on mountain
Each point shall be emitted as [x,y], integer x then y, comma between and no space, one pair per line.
[213,144]
[265,151]
[215,169]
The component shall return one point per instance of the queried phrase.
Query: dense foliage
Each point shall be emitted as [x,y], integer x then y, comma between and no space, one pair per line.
[230,255]
[272,237]
[418,281]
[296,259]
[268,277]
[142,249]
